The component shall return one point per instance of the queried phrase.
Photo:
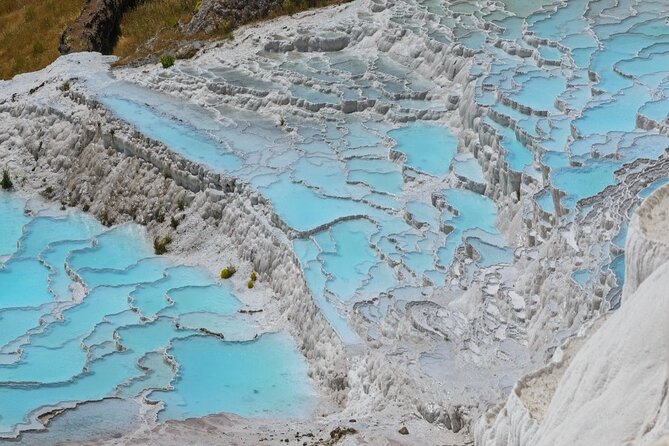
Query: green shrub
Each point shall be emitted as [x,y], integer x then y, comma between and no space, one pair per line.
[228,272]
[254,276]
[160,244]
[174,223]
[167,60]
[250,284]
[181,204]
[6,182]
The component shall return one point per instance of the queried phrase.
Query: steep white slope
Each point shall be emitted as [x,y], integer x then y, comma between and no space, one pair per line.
[611,387]
[647,244]
[615,389]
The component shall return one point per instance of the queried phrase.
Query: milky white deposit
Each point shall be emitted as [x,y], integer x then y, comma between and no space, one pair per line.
[444,202]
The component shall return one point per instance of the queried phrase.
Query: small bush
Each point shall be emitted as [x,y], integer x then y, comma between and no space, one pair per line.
[160,244]
[254,276]
[6,182]
[167,60]
[181,204]
[65,86]
[228,272]
[250,284]
[174,223]
[48,191]
[105,219]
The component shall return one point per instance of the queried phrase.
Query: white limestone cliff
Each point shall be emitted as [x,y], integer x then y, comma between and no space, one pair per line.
[609,386]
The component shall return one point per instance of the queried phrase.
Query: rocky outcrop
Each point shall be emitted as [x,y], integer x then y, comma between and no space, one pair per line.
[213,14]
[96,28]
[225,15]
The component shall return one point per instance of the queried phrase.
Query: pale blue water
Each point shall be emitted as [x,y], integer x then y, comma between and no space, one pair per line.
[11,223]
[582,276]
[250,378]
[476,212]
[331,178]
[94,348]
[468,167]
[652,187]
[428,148]
[334,179]
[618,268]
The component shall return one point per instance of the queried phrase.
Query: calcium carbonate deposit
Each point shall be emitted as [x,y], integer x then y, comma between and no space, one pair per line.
[456,214]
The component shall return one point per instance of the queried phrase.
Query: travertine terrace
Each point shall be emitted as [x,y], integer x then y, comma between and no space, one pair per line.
[451,208]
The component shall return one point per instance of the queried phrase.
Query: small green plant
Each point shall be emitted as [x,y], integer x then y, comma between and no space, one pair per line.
[65,86]
[254,276]
[174,223]
[196,8]
[48,191]
[105,219]
[228,272]
[251,284]
[181,204]
[6,182]
[160,244]
[167,60]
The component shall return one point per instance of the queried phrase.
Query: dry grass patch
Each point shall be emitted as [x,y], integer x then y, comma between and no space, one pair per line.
[154,22]
[151,28]
[30,33]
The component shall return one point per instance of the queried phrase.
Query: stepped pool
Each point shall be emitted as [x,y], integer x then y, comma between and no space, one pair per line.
[88,313]
[369,158]
[381,166]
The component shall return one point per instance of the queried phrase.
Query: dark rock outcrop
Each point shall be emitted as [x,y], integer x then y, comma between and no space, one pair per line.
[215,14]
[96,28]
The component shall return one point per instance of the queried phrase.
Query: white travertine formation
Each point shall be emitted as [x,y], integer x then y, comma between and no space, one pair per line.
[435,355]
[610,385]
[647,244]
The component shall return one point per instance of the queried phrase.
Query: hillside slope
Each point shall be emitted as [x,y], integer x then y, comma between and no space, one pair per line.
[30,31]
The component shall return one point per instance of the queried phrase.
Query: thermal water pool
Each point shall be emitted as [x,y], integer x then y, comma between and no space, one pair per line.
[88,313]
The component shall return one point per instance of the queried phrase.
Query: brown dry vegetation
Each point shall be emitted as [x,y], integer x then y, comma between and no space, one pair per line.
[150,28]
[30,31]
[154,20]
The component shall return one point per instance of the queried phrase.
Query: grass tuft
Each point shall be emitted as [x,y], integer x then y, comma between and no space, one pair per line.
[167,60]
[6,182]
